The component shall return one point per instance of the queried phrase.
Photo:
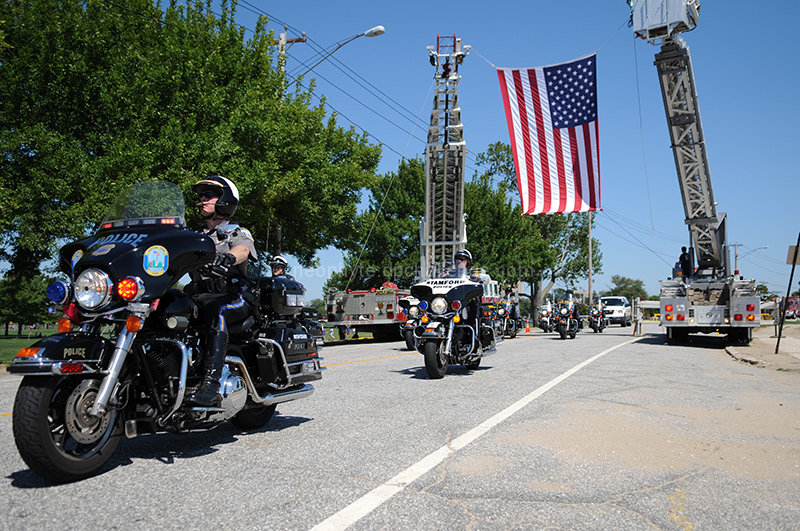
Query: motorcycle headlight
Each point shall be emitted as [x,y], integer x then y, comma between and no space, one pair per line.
[92,289]
[438,305]
[413,311]
[564,311]
[500,311]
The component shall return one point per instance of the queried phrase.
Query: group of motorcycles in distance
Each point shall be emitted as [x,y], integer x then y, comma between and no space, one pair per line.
[564,319]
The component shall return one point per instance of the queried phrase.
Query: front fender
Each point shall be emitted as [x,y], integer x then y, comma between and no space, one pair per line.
[48,356]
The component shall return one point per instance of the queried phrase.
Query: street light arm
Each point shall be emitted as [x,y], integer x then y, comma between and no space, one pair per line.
[372,32]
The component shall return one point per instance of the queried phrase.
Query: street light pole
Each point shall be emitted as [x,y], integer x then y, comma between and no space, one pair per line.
[372,32]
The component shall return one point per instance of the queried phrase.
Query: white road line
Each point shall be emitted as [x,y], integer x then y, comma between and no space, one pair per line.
[376,497]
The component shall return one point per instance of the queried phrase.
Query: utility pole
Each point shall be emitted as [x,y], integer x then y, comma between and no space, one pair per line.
[735,257]
[283,44]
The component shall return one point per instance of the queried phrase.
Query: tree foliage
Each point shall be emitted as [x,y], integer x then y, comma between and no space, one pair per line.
[627,287]
[95,95]
[23,300]
[383,243]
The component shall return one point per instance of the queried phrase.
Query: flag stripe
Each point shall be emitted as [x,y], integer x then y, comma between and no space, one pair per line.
[552,121]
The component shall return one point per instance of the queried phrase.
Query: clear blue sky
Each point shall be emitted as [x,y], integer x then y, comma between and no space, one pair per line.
[746,71]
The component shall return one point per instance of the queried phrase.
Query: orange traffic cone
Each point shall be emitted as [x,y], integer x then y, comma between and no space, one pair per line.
[527,327]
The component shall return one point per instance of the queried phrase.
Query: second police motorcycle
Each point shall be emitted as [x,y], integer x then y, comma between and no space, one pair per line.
[130,349]
[452,328]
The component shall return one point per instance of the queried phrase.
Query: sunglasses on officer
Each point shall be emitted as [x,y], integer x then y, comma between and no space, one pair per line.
[207,195]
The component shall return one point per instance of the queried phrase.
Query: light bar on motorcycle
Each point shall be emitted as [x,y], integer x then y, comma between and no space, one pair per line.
[93,289]
[130,289]
[456,305]
[439,305]
[59,291]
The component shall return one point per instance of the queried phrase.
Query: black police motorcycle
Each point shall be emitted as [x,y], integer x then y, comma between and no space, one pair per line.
[567,324]
[597,321]
[410,306]
[451,328]
[546,319]
[130,348]
[505,314]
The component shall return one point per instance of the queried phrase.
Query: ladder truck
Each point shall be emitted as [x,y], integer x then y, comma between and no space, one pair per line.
[712,299]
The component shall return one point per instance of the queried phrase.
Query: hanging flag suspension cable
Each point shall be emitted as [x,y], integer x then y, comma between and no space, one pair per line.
[641,134]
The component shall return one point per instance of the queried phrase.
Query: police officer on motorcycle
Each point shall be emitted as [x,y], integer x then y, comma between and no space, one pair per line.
[461,267]
[279,266]
[220,288]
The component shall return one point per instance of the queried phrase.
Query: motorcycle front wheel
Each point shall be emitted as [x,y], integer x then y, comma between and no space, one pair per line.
[53,432]
[435,359]
[408,335]
[562,331]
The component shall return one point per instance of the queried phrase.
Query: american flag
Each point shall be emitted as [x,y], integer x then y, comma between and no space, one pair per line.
[552,121]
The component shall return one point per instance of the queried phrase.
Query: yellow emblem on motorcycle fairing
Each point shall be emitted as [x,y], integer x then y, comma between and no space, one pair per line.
[103,249]
[156,260]
[76,257]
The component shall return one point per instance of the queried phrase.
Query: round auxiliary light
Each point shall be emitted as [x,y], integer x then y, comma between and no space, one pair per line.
[456,305]
[423,305]
[58,291]
[92,289]
[413,311]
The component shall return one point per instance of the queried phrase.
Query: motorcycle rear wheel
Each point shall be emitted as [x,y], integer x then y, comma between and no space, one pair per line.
[435,359]
[253,418]
[53,433]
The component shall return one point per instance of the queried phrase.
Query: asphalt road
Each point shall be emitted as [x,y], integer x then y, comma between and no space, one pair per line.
[605,431]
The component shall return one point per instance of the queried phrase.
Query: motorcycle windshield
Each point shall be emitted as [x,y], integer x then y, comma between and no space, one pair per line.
[147,203]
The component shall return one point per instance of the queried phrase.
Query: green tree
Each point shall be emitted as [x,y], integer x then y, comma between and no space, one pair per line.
[95,95]
[501,240]
[627,287]
[388,231]
[24,301]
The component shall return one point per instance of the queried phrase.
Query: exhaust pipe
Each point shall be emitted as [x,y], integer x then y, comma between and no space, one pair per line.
[267,400]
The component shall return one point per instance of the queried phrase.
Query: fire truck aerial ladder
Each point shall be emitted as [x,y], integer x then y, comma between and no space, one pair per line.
[713,299]
[443,229]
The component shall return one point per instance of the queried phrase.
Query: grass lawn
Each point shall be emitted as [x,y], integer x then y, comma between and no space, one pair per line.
[10,345]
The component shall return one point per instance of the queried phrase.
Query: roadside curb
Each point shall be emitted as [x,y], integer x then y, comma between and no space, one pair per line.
[739,357]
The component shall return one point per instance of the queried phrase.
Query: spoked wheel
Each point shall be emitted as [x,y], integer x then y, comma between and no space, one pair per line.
[435,359]
[253,418]
[54,433]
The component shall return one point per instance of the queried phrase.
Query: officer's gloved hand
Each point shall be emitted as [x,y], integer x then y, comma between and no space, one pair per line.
[220,266]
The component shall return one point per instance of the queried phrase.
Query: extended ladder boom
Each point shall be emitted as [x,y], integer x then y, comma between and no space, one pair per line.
[706,226]
[443,230]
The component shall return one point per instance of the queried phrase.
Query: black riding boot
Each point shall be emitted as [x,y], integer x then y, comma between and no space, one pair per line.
[208,393]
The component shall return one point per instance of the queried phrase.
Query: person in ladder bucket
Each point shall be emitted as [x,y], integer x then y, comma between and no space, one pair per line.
[220,289]
[279,267]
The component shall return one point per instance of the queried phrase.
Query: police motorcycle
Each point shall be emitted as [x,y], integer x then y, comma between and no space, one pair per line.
[410,309]
[451,329]
[566,322]
[128,350]
[505,314]
[546,319]
[597,321]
